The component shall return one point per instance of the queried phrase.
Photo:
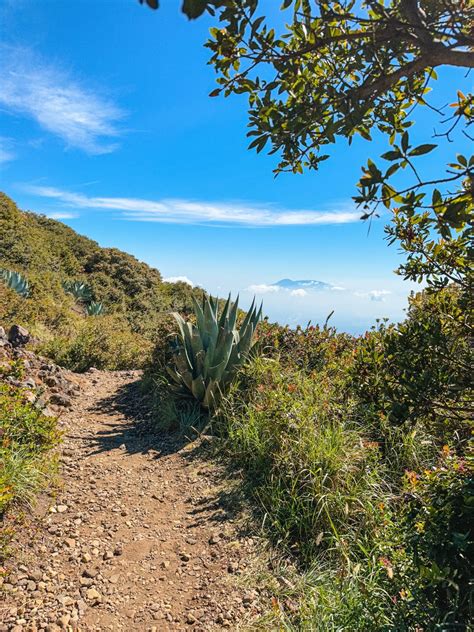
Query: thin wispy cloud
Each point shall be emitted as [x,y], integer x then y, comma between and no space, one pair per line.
[6,154]
[196,212]
[62,215]
[77,114]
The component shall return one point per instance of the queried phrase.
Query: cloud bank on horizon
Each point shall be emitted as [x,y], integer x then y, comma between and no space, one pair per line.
[309,287]
[175,210]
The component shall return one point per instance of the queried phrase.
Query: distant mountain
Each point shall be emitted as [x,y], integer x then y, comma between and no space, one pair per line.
[303,284]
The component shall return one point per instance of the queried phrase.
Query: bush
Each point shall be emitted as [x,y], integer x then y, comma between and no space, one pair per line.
[308,349]
[26,438]
[104,343]
[412,381]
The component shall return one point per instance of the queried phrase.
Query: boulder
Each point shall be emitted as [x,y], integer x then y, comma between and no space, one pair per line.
[61,400]
[18,336]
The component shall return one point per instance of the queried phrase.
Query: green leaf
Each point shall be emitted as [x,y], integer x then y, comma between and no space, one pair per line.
[422,149]
[405,141]
[391,155]
[194,8]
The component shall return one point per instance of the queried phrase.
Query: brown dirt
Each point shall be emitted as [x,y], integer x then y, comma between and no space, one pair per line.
[139,537]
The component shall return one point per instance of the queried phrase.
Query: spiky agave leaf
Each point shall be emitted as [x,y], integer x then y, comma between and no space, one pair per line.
[15,281]
[95,309]
[210,352]
[80,290]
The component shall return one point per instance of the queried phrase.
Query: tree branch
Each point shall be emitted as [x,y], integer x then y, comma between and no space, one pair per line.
[438,55]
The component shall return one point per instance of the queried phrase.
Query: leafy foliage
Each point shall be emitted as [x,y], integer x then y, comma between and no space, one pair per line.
[26,438]
[104,343]
[210,352]
[341,69]
[356,452]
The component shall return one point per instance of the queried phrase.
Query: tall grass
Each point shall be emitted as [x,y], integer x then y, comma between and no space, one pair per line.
[358,502]
[26,458]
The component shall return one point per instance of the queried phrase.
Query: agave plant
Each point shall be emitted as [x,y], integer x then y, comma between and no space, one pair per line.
[15,281]
[94,309]
[81,291]
[210,352]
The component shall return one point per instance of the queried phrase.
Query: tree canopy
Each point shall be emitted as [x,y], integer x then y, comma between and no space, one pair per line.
[340,68]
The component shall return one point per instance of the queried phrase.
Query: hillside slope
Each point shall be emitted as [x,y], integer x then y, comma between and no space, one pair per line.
[48,253]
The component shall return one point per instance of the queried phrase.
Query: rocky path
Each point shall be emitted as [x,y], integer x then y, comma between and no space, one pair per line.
[137,537]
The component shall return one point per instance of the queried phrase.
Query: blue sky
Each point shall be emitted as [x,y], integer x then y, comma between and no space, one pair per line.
[106,124]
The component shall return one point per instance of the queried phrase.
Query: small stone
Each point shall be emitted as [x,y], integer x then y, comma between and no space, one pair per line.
[64,620]
[30,586]
[233,567]
[36,575]
[93,595]
[86,581]
[165,564]
[190,618]
[61,400]
[248,598]
[61,508]
[70,542]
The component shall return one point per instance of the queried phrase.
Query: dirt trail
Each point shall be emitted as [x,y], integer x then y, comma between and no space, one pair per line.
[138,537]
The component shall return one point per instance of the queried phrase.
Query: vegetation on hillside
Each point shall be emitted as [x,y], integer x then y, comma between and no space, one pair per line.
[68,277]
[27,437]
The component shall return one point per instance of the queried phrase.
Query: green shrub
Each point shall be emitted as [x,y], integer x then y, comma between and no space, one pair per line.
[308,349]
[103,343]
[412,381]
[26,438]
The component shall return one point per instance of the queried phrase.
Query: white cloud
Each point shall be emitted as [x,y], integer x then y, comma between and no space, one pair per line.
[263,289]
[62,215]
[299,292]
[192,212]
[374,295]
[58,103]
[175,279]
[6,154]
